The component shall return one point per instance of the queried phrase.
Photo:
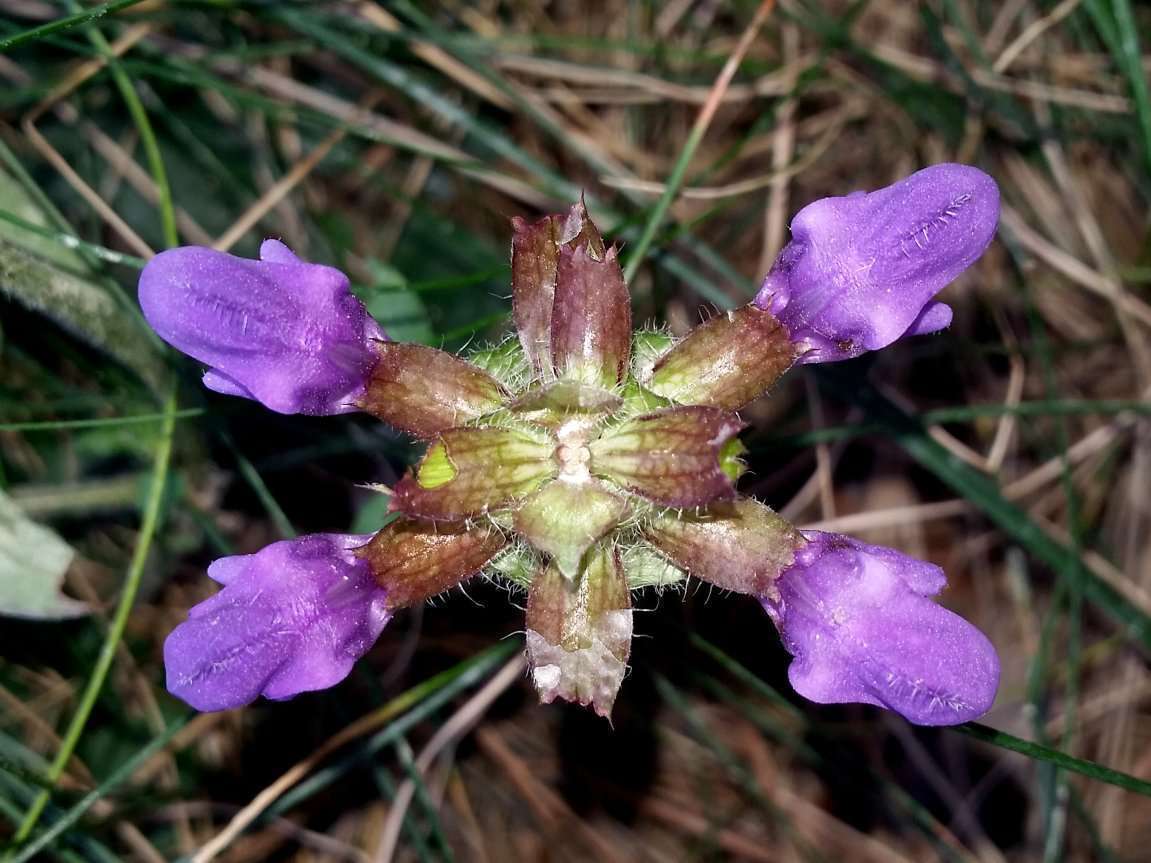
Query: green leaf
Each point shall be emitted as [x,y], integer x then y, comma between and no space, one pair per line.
[44,274]
[33,560]
[397,308]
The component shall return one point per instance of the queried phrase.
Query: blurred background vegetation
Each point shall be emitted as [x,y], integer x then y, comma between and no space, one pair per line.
[396,140]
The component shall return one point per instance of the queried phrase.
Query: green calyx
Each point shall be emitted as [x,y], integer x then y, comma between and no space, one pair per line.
[580,462]
[562,465]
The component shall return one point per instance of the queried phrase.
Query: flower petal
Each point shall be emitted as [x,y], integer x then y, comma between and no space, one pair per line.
[286,333]
[276,252]
[292,618]
[218,382]
[858,620]
[935,316]
[861,269]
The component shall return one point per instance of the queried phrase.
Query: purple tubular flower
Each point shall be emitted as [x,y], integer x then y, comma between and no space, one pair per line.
[861,271]
[284,332]
[859,621]
[292,618]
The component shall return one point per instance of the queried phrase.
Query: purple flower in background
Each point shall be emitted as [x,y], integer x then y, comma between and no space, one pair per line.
[291,618]
[861,271]
[859,621]
[284,332]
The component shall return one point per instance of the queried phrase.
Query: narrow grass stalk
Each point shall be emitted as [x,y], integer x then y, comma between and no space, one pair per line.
[103,664]
[1038,752]
[99,422]
[1131,57]
[271,505]
[118,777]
[71,241]
[61,24]
[147,136]
[698,130]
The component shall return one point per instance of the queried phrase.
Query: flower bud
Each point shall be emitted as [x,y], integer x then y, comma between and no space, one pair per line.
[861,271]
[569,299]
[591,318]
[859,621]
[293,617]
[286,333]
[535,260]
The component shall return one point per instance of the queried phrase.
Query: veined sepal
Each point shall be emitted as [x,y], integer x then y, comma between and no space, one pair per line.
[676,457]
[424,391]
[579,631]
[564,518]
[739,545]
[725,362]
[468,471]
[535,261]
[552,404]
[414,560]
[591,320]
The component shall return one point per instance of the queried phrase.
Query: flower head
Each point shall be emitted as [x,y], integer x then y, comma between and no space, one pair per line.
[862,271]
[286,333]
[860,623]
[578,464]
[291,618]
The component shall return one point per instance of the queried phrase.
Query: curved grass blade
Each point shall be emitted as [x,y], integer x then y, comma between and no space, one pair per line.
[61,24]
[120,775]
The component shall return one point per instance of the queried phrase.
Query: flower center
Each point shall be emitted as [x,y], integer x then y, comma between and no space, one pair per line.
[573,454]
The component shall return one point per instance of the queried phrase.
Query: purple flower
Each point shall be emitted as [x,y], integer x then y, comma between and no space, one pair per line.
[284,332]
[292,618]
[860,624]
[861,271]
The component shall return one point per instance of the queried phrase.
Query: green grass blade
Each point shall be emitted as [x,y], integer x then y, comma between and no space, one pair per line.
[99,422]
[118,777]
[1038,752]
[910,434]
[61,24]
[147,135]
[149,523]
